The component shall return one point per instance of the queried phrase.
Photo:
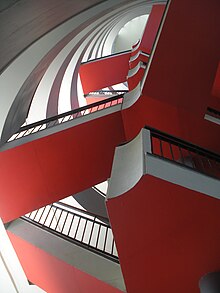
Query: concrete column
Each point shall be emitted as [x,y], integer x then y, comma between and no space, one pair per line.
[210,283]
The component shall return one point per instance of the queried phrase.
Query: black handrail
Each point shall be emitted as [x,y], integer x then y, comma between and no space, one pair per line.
[213,111]
[100,92]
[82,211]
[178,141]
[105,57]
[55,119]
[184,153]
[77,226]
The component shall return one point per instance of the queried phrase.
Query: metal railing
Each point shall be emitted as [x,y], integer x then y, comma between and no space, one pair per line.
[67,116]
[182,152]
[78,226]
[106,93]
[213,112]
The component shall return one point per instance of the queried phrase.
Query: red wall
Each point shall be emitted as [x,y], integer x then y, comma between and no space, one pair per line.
[105,72]
[168,118]
[168,236]
[216,85]
[48,169]
[152,28]
[54,275]
[178,86]
[187,55]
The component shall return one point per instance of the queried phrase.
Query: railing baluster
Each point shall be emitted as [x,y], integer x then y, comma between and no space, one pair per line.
[161,148]
[47,215]
[36,214]
[77,227]
[68,233]
[58,219]
[53,216]
[181,155]
[90,237]
[64,222]
[97,240]
[42,214]
[106,233]
[171,151]
[83,234]
[197,158]
[102,232]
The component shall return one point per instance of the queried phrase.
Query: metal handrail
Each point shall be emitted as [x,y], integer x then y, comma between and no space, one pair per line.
[178,141]
[185,153]
[105,57]
[213,111]
[52,121]
[65,205]
[77,226]
[100,92]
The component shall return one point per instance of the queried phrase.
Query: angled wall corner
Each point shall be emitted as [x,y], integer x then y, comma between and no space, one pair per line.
[128,165]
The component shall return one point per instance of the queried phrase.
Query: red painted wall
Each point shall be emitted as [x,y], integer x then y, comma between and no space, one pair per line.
[152,28]
[54,275]
[168,236]
[105,72]
[48,169]
[216,85]
[178,87]
[170,119]
[134,80]
[187,55]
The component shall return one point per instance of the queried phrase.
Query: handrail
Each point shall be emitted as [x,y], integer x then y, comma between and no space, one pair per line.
[98,190]
[77,226]
[80,210]
[178,141]
[107,92]
[105,57]
[46,123]
[213,111]
[182,152]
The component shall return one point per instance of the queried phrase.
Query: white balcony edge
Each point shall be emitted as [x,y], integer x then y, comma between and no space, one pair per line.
[134,160]
[101,268]
[183,176]
[131,97]
[212,119]
[60,127]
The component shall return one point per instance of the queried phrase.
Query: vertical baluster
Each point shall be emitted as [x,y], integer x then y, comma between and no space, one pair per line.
[171,151]
[35,215]
[77,227]
[58,219]
[53,216]
[67,213]
[93,224]
[113,242]
[161,148]
[97,240]
[181,155]
[191,159]
[41,214]
[106,233]
[68,233]
[83,234]
[47,215]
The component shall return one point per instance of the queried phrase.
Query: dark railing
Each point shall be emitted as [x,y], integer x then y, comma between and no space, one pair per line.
[108,56]
[213,112]
[184,153]
[67,116]
[106,93]
[81,227]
